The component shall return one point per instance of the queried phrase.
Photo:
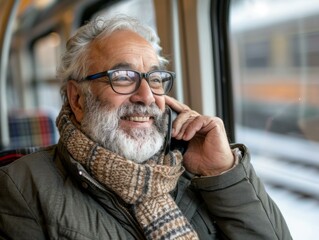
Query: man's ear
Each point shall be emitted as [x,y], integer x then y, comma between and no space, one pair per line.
[76,99]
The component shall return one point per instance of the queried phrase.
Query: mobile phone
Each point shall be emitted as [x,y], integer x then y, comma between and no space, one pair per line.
[172,143]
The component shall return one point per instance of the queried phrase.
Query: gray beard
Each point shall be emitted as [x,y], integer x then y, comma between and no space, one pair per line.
[101,124]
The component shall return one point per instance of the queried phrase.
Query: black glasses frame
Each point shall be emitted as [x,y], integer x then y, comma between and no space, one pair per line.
[141,75]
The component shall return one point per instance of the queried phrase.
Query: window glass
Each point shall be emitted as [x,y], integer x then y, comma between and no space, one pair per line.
[47,53]
[257,54]
[275,68]
[47,50]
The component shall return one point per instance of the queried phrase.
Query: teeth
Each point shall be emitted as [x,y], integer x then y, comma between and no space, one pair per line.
[137,119]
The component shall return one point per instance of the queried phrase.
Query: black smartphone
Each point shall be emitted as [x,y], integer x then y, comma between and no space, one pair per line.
[172,143]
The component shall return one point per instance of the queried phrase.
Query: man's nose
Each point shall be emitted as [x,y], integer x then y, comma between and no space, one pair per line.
[143,94]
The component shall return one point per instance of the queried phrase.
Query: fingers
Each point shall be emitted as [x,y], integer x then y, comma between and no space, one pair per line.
[186,126]
[176,105]
[189,122]
[185,116]
[200,125]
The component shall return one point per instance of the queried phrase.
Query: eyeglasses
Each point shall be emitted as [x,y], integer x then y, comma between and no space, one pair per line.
[128,81]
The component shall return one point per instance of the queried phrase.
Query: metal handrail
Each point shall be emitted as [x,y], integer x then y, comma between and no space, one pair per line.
[8,14]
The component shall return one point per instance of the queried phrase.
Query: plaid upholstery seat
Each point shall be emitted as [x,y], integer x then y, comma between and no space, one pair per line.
[31,129]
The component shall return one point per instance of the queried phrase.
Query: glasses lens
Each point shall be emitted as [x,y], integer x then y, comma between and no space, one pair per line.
[124,81]
[160,82]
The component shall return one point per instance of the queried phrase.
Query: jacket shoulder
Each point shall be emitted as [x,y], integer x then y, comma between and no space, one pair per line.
[24,183]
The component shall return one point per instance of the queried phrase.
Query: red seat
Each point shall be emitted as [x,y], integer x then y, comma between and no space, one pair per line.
[9,156]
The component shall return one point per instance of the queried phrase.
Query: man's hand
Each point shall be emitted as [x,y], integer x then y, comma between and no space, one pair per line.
[208,152]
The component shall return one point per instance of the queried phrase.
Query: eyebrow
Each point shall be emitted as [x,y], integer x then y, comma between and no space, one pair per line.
[125,65]
[122,66]
[155,67]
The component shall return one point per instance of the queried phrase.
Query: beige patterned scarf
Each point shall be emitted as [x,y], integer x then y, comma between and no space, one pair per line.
[145,186]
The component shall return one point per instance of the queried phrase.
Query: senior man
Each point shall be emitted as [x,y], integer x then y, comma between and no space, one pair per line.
[112,175]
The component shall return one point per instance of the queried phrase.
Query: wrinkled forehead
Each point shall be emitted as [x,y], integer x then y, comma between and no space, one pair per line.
[122,47]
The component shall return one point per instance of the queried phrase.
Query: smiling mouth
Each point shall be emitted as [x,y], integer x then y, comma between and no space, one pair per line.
[137,118]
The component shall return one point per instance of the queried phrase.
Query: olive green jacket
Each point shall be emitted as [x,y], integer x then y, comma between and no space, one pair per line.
[48,195]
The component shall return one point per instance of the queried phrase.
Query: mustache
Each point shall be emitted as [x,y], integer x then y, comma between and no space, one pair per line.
[136,109]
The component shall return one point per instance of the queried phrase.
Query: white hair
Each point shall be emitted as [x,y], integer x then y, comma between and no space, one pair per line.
[74,62]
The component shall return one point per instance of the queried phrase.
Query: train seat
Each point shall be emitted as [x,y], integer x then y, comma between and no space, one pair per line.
[9,156]
[31,128]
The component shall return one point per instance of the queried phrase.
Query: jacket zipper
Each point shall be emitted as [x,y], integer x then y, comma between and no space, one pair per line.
[129,216]
[122,208]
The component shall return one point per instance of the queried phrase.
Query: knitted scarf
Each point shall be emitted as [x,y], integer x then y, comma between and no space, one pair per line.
[145,186]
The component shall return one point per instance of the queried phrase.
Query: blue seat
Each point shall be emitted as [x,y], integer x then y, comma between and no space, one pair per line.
[29,129]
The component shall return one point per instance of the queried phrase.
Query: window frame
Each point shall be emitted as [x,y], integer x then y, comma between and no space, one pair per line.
[222,64]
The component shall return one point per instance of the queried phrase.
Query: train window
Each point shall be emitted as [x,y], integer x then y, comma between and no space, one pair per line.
[257,54]
[47,53]
[46,57]
[305,50]
[275,58]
